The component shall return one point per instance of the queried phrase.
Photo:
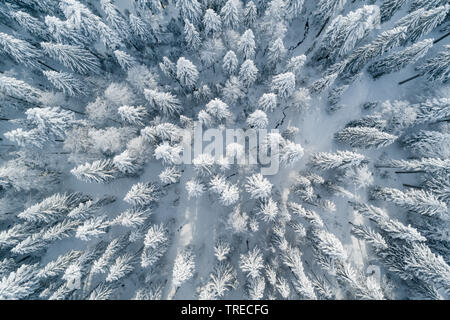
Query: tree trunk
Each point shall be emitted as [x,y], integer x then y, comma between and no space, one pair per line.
[409,79]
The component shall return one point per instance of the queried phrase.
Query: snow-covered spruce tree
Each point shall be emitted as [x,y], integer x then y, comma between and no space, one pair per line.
[73,57]
[326,9]
[375,239]
[432,144]
[268,102]
[398,60]
[115,19]
[51,121]
[190,10]
[415,200]
[329,245]
[155,236]
[66,82]
[31,24]
[122,266]
[52,208]
[142,194]
[195,188]
[100,171]
[64,32]
[92,228]
[422,22]
[18,89]
[416,4]
[258,120]
[20,283]
[393,228]
[211,22]
[218,111]
[169,155]
[163,101]
[255,288]
[433,110]
[30,138]
[383,43]
[429,267]
[344,33]
[222,279]
[291,153]
[204,164]
[89,24]
[134,115]
[363,137]
[238,220]
[191,35]
[439,186]
[186,72]
[258,187]
[168,68]
[140,29]
[340,159]
[170,175]
[284,84]
[252,263]
[230,62]
[248,73]
[295,64]
[125,60]
[250,14]
[231,14]
[276,52]
[100,265]
[232,91]
[389,7]
[437,68]
[183,267]
[292,258]
[428,165]
[246,44]
[19,50]
[221,250]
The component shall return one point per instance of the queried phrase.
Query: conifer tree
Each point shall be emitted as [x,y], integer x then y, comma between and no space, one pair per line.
[418,201]
[268,102]
[398,60]
[31,24]
[19,50]
[164,101]
[186,72]
[246,44]
[191,35]
[326,9]
[231,14]
[212,22]
[65,82]
[276,52]
[389,7]
[284,84]
[100,171]
[190,10]
[73,57]
[230,62]
[362,137]
[437,68]
[422,22]
[250,14]
[183,268]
